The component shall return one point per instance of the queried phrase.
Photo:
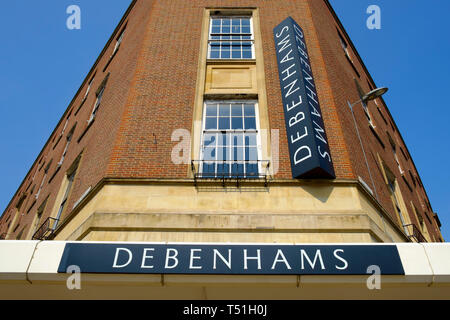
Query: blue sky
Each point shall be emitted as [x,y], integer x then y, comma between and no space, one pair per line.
[43,64]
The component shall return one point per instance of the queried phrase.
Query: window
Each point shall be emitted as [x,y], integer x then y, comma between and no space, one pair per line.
[70,178]
[423,228]
[412,178]
[365,107]
[89,87]
[230,141]
[43,179]
[394,150]
[231,38]
[392,184]
[367,113]
[97,104]
[37,219]
[344,45]
[119,41]
[19,236]
[347,52]
[69,138]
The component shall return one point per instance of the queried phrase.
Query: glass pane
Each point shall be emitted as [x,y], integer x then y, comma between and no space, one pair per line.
[237,170]
[251,170]
[225,54]
[236,123]
[211,123]
[223,170]
[215,29]
[236,54]
[209,140]
[236,22]
[236,110]
[247,55]
[225,29]
[237,46]
[236,140]
[211,110]
[249,110]
[209,169]
[223,154]
[250,140]
[226,22]
[251,153]
[246,29]
[224,123]
[222,139]
[214,55]
[250,123]
[245,22]
[209,153]
[237,154]
[216,22]
[224,110]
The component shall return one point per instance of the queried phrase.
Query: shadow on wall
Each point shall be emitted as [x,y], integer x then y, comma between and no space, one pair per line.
[321,193]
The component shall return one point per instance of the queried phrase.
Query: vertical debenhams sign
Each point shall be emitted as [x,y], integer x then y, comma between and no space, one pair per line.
[308,144]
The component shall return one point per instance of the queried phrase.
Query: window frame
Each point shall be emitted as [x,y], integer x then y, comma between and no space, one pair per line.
[69,138]
[256,131]
[88,89]
[251,40]
[119,40]
[98,101]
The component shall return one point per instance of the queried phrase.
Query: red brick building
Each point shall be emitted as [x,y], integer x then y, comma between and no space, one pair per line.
[174,67]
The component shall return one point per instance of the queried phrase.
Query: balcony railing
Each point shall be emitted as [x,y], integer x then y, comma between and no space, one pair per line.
[231,170]
[46,229]
[414,233]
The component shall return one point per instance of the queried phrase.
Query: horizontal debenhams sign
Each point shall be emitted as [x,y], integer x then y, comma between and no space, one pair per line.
[250,259]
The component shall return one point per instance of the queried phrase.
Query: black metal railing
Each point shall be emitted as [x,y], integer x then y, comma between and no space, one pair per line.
[46,229]
[225,170]
[414,233]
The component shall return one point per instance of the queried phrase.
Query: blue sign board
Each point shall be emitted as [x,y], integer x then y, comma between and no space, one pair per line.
[308,145]
[239,259]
